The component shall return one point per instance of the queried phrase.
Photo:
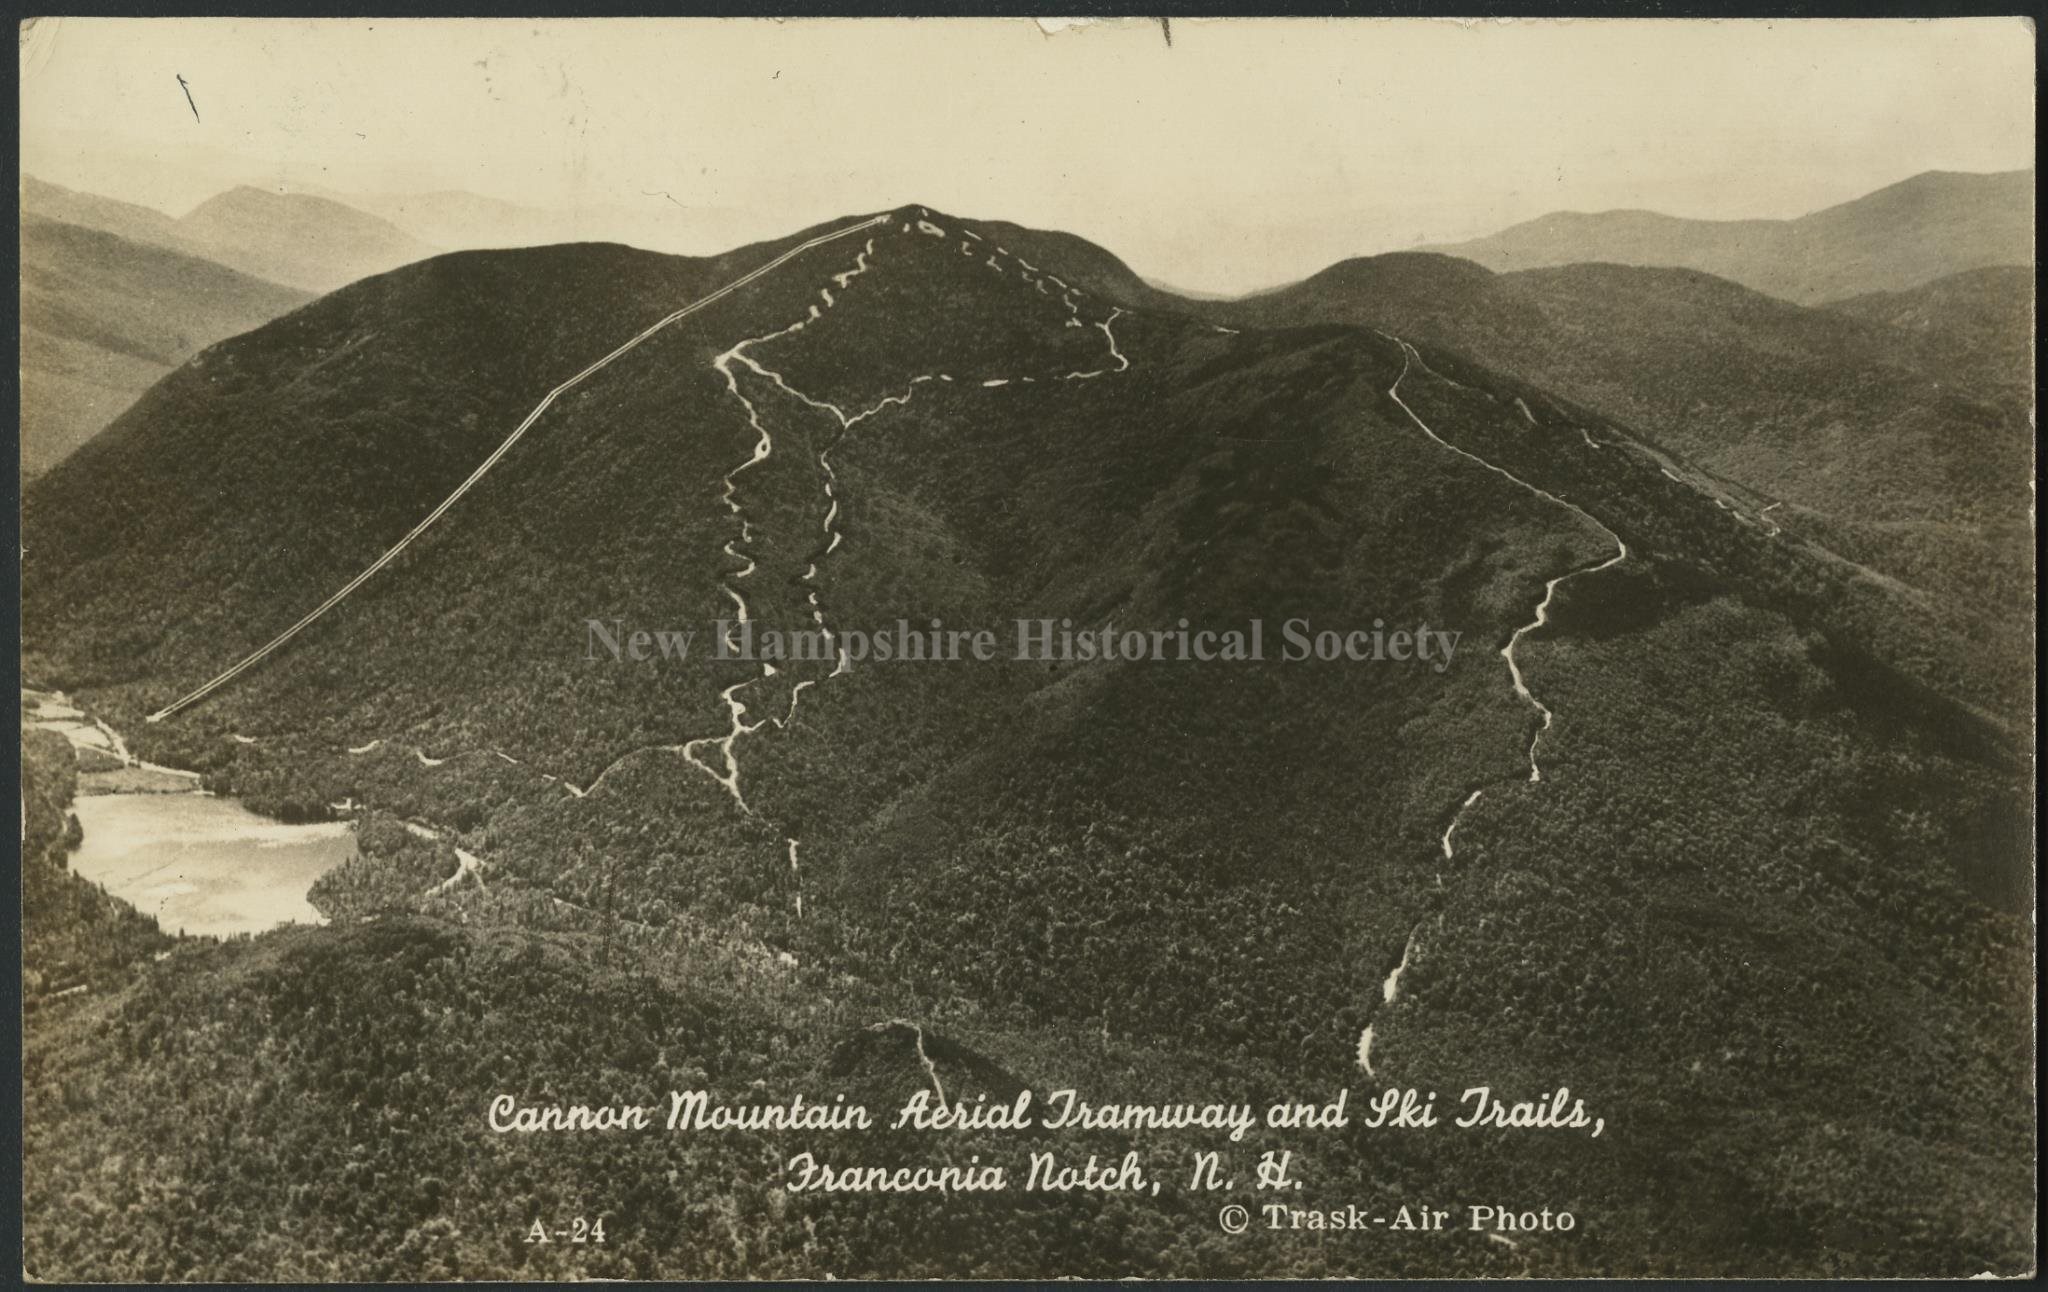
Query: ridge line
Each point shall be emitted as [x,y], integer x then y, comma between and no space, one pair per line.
[505,447]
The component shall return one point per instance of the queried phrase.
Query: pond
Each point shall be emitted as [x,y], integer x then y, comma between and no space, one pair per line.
[205,865]
[200,864]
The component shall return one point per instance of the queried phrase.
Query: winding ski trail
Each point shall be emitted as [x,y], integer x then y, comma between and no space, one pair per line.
[263,652]
[717,756]
[931,1070]
[1410,360]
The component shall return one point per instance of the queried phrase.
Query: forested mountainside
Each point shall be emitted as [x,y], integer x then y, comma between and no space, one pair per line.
[1977,325]
[103,317]
[1771,835]
[1864,437]
[1904,235]
[74,937]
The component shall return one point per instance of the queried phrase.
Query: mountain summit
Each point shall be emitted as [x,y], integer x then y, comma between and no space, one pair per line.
[1700,808]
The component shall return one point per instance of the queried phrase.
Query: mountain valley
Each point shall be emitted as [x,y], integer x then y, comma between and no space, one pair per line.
[1728,787]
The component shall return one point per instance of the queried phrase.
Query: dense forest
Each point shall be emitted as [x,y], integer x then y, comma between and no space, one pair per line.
[75,938]
[1764,906]
[1860,423]
[104,317]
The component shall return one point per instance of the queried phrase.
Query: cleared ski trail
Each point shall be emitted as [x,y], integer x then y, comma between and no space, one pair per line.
[717,756]
[1410,360]
[723,767]
[261,653]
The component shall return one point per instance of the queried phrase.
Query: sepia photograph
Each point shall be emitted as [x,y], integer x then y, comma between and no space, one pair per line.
[730,649]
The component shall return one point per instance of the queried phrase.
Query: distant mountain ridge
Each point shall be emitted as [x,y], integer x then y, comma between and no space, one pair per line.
[104,316]
[1930,226]
[456,219]
[114,295]
[1883,447]
[299,240]
[93,211]
[1123,871]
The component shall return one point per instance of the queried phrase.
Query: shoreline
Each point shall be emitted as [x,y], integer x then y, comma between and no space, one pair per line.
[164,861]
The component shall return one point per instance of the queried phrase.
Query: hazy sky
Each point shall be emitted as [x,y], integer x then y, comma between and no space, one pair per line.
[1248,153]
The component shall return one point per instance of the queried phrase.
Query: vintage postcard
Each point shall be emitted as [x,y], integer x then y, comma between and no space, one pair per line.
[718,649]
